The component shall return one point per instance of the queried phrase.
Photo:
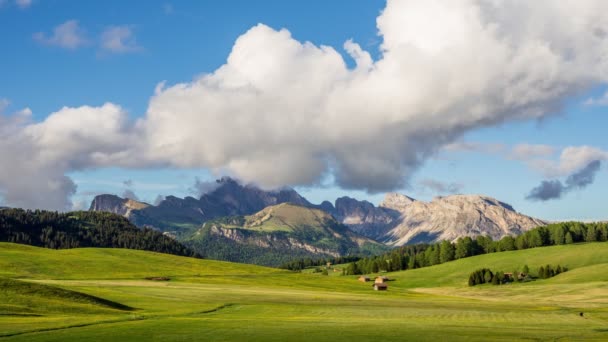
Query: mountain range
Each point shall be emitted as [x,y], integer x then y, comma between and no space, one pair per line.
[277,234]
[229,198]
[265,225]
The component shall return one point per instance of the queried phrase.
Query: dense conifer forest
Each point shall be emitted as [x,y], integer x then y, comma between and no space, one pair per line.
[82,229]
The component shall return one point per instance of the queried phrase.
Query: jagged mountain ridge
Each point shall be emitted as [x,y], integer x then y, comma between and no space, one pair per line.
[398,220]
[363,217]
[229,198]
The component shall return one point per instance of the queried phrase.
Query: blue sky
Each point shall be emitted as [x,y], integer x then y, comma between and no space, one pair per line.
[125,49]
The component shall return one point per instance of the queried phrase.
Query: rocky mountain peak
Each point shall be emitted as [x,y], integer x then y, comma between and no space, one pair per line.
[227,198]
[478,200]
[116,204]
[396,201]
[107,202]
[451,217]
[363,217]
[241,199]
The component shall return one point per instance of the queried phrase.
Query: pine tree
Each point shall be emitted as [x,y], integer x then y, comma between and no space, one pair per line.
[536,239]
[472,280]
[488,276]
[569,239]
[507,243]
[541,272]
[547,273]
[591,234]
[558,235]
[446,251]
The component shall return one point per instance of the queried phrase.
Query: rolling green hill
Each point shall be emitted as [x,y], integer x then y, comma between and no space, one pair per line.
[278,234]
[103,295]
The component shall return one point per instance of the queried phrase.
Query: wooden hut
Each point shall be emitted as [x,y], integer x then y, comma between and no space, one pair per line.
[380,287]
[381,280]
[364,279]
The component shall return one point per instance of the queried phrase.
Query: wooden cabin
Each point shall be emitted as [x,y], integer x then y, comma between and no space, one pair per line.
[364,279]
[380,287]
[516,276]
[381,279]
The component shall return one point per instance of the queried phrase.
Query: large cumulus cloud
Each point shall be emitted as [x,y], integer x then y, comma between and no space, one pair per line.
[284,112]
[36,156]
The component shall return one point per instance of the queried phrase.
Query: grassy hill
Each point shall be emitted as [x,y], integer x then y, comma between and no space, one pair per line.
[287,217]
[102,294]
[22,261]
[278,234]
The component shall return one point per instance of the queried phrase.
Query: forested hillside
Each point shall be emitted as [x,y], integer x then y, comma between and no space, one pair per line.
[82,229]
[422,255]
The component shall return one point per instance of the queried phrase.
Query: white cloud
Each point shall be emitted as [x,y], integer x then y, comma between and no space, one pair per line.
[285,112]
[473,146]
[577,157]
[119,39]
[81,204]
[538,157]
[530,151]
[23,3]
[68,35]
[600,101]
[571,159]
[38,155]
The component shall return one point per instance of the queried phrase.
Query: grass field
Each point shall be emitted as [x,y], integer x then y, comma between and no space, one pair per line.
[102,295]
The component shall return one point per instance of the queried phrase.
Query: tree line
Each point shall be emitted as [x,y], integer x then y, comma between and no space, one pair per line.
[82,229]
[303,263]
[486,276]
[423,255]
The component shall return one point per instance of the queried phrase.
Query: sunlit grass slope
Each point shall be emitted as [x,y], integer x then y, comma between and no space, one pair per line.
[456,273]
[22,261]
[287,217]
[217,301]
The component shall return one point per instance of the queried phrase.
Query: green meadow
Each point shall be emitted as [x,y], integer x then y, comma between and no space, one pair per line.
[103,295]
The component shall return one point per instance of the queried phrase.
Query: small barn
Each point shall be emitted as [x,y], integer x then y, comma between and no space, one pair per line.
[364,279]
[380,287]
[381,279]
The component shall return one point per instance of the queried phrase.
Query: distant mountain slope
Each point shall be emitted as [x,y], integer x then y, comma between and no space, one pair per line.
[363,217]
[82,229]
[401,220]
[229,198]
[397,221]
[278,234]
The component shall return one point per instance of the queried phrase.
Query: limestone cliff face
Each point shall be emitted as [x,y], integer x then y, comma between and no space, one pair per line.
[364,218]
[451,217]
[116,205]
